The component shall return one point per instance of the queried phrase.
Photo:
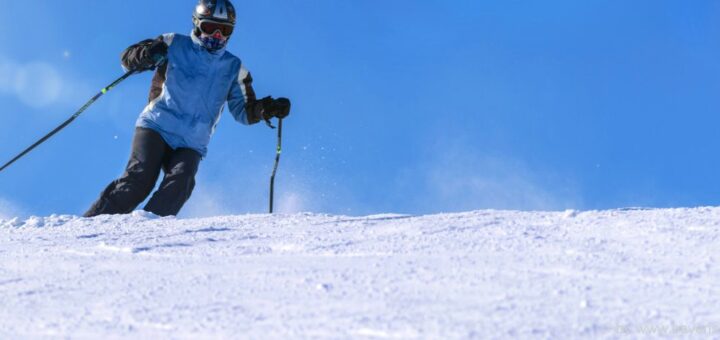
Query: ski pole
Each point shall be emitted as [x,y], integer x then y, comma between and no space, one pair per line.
[67,122]
[277,161]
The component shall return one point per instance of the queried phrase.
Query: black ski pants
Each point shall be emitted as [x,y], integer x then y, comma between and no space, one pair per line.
[149,155]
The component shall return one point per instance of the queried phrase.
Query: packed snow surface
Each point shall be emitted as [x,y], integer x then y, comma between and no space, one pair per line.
[484,274]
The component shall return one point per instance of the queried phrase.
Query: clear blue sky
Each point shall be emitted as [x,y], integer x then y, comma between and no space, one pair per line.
[399,106]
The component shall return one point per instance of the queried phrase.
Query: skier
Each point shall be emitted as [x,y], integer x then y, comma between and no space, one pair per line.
[194,78]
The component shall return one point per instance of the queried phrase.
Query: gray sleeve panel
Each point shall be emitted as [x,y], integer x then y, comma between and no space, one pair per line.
[241,99]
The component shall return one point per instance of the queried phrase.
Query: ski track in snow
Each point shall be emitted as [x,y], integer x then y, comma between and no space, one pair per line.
[486,274]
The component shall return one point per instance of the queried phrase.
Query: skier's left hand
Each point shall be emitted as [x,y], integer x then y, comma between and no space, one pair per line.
[279,108]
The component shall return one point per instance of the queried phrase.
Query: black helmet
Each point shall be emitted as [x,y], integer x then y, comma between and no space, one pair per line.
[211,17]
[216,10]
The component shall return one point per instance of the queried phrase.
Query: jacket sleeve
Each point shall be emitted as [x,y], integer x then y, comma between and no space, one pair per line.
[136,55]
[242,102]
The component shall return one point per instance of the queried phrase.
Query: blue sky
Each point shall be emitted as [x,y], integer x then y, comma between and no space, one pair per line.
[399,106]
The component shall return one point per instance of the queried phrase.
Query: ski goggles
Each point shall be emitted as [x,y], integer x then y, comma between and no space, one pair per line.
[210,27]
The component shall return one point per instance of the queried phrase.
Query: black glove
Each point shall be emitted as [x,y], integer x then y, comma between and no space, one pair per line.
[279,108]
[154,54]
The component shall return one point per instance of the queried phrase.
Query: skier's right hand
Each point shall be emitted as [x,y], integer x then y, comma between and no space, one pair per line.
[145,55]
[153,55]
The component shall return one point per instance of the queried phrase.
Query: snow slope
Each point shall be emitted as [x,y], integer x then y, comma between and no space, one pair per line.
[607,274]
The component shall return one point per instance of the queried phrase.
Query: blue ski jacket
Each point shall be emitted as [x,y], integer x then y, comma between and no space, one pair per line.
[189,92]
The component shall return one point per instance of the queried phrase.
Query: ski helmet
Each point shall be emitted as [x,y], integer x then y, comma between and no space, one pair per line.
[218,15]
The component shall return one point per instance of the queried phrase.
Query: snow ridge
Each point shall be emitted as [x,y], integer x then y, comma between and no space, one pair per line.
[467,275]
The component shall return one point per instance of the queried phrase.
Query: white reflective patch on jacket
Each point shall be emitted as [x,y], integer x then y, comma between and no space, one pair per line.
[168,38]
[241,81]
